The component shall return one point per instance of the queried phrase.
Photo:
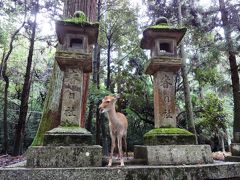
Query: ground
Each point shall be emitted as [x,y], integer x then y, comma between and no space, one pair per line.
[6,160]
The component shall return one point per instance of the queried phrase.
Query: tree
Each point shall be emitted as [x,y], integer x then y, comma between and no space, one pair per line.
[188,103]
[20,128]
[4,75]
[212,118]
[233,66]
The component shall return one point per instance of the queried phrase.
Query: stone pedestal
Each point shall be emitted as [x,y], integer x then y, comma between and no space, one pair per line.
[64,156]
[168,136]
[65,147]
[67,136]
[174,154]
[235,149]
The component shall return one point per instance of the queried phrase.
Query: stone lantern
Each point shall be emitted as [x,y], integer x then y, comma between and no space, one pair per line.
[167,144]
[162,40]
[70,145]
[74,58]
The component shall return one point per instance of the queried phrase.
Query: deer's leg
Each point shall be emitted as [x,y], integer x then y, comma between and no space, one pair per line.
[113,138]
[125,143]
[119,138]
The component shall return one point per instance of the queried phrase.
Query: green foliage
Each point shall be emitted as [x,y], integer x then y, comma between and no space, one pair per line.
[207,75]
[212,117]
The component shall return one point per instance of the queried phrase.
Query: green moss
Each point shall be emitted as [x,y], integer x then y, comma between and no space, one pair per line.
[48,119]
[157,131]
[69,129]
[160,26]
[165,26]
[75,20]
[78,18]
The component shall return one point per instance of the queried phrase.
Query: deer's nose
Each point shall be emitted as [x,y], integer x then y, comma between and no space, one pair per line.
[101,110]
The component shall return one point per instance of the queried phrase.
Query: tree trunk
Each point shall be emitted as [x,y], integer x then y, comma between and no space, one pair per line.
[90,116]
[87,6]
[233,69]
[86,77]
[5,109]
[108,63]
[26,89]
[52,108]
[188,103]
[98,128]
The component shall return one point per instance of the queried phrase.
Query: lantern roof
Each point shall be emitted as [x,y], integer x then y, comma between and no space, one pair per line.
[161,30]
[78,24]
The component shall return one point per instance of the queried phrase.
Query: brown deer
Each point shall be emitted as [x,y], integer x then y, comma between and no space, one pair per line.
[118,125]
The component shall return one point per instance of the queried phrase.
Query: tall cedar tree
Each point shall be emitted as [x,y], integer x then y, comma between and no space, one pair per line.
[233,67]
[20,128]
[188,102]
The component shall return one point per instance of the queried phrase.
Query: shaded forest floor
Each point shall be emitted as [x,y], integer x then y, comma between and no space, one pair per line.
[6,160]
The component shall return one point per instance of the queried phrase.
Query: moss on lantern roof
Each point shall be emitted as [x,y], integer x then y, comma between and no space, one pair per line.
[79,18]
[164,26]
[157,131]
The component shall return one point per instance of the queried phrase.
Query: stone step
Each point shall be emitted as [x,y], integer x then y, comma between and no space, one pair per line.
[128,161]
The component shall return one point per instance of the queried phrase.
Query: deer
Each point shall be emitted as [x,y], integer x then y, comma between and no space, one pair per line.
[118,125]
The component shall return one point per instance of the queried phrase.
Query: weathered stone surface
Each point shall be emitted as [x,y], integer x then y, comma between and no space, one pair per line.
[66,59]
[71,97]
[235,149]
[64,156]
[186,172]
[164,99]
[65,136]
[174,154]
[169,139]
[168,136]
[163,63]
[232,159]
[236,137]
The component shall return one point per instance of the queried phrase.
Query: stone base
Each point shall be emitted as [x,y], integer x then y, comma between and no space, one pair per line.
[168,136]
[235,149]
[64,156]
[174,154]
[232,159]
[66,136]
[228,170]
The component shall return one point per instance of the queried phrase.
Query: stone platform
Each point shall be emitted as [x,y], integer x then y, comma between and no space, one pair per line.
[217,170]
[174,154]
[64,156]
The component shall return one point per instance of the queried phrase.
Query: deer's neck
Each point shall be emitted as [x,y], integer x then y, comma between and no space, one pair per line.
[112,116]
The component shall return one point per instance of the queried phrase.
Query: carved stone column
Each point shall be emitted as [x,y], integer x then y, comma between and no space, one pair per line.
[166,144]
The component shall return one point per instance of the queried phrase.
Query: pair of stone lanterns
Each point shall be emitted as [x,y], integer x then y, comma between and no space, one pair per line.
[69,145]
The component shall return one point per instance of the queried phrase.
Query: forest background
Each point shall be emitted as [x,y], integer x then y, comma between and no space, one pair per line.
[207,86]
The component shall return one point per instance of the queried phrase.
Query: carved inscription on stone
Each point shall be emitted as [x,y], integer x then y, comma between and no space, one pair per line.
[166,81]
[164,99]
[71,102]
